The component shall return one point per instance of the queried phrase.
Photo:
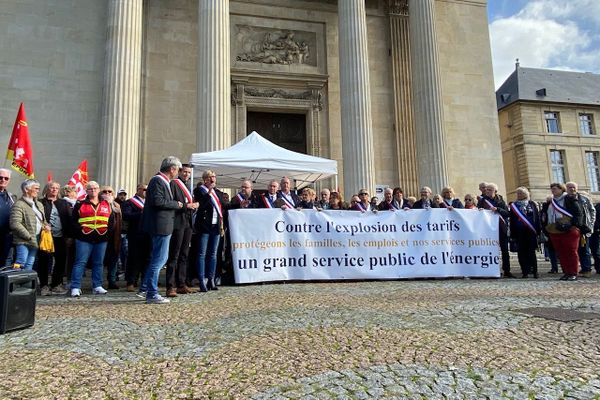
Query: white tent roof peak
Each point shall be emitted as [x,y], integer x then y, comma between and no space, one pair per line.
[259,160]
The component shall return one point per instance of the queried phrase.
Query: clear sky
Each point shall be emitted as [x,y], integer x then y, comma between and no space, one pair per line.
[557,34]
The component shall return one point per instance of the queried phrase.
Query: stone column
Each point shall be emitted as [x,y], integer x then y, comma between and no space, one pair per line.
[357,132]
[214,87]
[403,104]
[120,136]
[427,95]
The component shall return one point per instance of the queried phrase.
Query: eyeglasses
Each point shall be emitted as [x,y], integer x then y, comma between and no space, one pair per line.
[107,191]
[363,194]
[4,178]
[468,199]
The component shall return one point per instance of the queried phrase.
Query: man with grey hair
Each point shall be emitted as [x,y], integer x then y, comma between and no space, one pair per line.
[492,201]
[425,202]
[324,201]
[158,221]
[589,212]
[6,202]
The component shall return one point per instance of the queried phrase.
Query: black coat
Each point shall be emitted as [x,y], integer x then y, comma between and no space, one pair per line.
[183,216]
[158,217]
[132,214]
[293,195]
[533,216]
[571,205]
[420,204]
[204,213]
[65,210]
[501,208]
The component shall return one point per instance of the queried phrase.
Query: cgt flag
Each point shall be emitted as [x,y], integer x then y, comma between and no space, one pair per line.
[19,147]
[79,180]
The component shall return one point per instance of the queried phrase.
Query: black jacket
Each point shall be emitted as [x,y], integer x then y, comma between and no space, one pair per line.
[65,211]
[204,213]
[158,217]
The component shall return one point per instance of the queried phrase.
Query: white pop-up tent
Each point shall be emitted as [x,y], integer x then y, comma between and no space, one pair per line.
[257,159]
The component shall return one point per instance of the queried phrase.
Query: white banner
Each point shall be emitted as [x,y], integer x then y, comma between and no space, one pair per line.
[276,245]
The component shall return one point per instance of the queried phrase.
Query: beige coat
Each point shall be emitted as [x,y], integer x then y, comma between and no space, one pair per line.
[23,222]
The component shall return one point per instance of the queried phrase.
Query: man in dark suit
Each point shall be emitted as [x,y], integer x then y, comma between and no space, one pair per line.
[209,227]
[269,199]
[289,198]
[158,221]
[182,234]
[244,198]
[7,200]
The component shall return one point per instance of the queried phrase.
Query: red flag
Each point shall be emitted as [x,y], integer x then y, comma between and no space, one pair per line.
[19,147]
[79,180]
[49,178]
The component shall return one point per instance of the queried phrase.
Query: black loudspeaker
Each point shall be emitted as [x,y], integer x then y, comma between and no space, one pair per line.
[17,299]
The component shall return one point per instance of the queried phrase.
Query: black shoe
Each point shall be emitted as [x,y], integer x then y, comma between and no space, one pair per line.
[571,278]
[202,286]
[112,285]
[564,277]
[508,275]
[525,276]
[211,285]
[535,275]
[553,271]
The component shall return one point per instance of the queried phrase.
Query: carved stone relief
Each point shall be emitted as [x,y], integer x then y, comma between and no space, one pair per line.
[398,7]
[274,46]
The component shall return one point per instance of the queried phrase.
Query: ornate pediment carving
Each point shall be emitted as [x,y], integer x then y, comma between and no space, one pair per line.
[274,46]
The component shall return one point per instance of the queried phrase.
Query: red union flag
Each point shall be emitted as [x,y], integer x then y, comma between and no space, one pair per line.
[79,180]
[19,147]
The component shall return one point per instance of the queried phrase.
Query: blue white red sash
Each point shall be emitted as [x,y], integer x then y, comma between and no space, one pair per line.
[138,202]
[391,206]
[523,218]
[267,201]
[186,192]
[289,200]
[490,205]
[560,209]
[166,180]
[360,205]
[448,204]
[214,200]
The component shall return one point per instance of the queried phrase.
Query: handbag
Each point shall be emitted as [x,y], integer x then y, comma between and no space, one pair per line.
[46,242]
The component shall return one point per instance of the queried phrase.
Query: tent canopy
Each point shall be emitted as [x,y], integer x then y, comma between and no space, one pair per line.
[257,159]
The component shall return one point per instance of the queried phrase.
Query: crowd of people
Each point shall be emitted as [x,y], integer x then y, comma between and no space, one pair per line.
[168,222]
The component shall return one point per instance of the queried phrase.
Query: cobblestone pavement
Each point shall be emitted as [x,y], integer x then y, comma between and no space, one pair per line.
[422,339]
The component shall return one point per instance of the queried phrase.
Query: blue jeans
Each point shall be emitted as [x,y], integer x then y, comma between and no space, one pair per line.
[83,252]
[160,254]
[585,256]
[207,253]
[25,256]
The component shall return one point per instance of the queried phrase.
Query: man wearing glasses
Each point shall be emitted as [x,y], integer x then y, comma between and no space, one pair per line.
[158,221]
[6,202]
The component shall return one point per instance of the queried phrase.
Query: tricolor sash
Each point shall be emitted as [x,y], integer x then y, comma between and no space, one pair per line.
[360,205]
[560,209]
[186,192]
[267,201]
[166,180]
[391,206]
[523,218]
[214,199]
[138,202]
[490,205]
[289,201]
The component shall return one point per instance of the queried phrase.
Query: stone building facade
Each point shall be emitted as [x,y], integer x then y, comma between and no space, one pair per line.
[549,130]
[399,92]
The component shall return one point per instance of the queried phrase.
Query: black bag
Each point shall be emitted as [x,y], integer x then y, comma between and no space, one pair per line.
[563,226]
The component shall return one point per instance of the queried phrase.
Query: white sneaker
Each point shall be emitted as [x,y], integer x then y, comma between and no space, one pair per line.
[158,299]
[75,292]
[141,294]
[99,290]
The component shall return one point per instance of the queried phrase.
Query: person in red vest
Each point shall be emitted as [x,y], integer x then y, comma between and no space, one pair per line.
[92,220]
